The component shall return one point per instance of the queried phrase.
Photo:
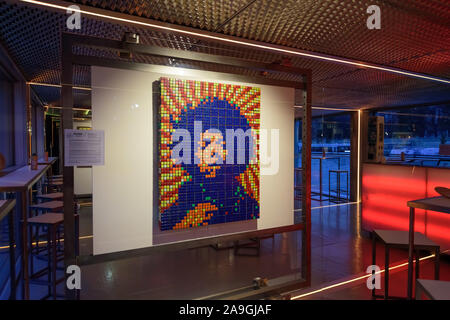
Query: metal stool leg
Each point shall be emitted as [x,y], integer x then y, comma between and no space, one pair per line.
[374,258]
[348,190]
[339,187]
[77,235]
[436,264]
[329,186]
[49,264]
[417,263]
[12,255]
[54,261]
[386,273]
[418,292]
[30,244]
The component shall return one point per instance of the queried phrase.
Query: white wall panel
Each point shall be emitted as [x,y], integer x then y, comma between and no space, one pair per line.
[122,189]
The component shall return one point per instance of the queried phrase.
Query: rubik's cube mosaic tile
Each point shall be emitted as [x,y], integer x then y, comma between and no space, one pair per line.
[214,187]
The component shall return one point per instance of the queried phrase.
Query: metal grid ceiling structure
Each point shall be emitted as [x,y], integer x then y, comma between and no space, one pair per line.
[415,36]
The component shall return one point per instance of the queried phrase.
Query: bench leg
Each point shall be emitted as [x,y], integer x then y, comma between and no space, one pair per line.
[54,261]
[49,264]
[30,244]
[374,258]
[386,273]
[418,291]
[417,263]
[436,264]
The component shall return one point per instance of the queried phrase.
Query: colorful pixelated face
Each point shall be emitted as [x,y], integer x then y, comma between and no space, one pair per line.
[210,151]
[215,178]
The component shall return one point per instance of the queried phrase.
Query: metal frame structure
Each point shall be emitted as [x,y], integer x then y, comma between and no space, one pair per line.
[69,60]
[355,150]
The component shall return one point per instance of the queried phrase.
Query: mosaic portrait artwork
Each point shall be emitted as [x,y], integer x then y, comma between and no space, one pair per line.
[208,153]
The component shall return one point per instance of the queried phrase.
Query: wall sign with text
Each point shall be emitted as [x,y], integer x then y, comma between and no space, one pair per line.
[84,148]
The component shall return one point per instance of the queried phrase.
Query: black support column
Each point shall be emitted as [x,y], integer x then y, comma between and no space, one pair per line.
[306,176]
[354,159]
[67,123]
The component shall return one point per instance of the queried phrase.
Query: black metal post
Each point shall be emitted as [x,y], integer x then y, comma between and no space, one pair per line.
[67,123]
[12,256]
[306,176]
[411,252]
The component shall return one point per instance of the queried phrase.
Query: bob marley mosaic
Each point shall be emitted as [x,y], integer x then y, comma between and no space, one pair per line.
[208,153]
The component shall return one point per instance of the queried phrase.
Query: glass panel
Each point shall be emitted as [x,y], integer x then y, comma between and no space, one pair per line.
[139,172]
[330,157]
[6,122]
[417,136]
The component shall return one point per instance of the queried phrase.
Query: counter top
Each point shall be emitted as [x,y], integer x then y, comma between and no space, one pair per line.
[21,178]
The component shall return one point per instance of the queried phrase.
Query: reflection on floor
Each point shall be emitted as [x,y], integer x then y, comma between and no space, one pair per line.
[340,251]
[188,274]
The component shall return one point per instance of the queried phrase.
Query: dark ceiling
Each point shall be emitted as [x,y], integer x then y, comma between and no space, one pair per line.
[414,36]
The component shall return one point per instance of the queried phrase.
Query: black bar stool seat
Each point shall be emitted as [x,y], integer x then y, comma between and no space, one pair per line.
[53,185]
[50,196]
[48,206]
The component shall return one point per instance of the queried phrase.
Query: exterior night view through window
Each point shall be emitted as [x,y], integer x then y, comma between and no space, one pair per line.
[422,134]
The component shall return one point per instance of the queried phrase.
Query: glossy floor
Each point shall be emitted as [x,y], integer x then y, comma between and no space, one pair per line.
[340,251]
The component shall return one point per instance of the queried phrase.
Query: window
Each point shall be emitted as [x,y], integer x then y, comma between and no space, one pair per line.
[330,156]
[420,133]
[6,121]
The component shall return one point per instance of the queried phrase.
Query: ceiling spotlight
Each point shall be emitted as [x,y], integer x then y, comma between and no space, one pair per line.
[128,38]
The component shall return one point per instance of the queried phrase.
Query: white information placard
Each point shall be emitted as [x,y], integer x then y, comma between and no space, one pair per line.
[84,147]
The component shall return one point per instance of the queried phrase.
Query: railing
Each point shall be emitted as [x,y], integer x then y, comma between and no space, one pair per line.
[420,160]
[320,182]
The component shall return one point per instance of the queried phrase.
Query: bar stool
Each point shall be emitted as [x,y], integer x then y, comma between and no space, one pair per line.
[338,190]
[35,235]
[47,206]
[51,222]
[53,186]
[50,196]
[53,183]
[400,240]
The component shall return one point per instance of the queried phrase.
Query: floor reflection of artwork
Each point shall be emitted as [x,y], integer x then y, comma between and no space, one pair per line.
[208,153]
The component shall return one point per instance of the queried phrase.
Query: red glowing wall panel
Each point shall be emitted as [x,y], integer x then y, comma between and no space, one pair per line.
[387,188]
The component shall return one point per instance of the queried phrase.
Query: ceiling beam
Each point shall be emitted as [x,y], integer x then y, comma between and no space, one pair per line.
[128,65]
[101,43]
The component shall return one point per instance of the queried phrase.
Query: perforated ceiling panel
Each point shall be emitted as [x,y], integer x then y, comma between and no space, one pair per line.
[410,30]
[414,36]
